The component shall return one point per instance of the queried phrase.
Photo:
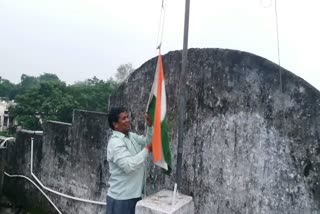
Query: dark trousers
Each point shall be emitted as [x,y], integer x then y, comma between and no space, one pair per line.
[121,206]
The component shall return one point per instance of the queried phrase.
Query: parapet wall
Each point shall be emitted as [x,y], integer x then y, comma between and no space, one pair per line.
[68,158]
[249,147]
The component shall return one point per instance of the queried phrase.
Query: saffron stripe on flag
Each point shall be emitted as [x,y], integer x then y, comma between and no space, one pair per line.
[157,112]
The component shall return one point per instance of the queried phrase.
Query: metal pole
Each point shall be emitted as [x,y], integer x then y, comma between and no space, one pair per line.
[182,88]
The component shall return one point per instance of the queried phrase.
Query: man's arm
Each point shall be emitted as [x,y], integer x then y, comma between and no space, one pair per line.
[141,139]
[144,140]
[119,155]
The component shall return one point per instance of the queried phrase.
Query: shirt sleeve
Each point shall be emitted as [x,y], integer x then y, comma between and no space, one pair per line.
[141,139]
[118,153]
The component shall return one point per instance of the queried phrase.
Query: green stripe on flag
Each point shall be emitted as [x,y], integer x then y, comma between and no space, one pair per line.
[152,108]
[164,135]
[165,144]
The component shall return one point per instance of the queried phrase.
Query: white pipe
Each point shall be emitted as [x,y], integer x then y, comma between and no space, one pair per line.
[174,196]
[21,176]
[3,144]
[31,131]
[55,192]
[31,157]
[59,122]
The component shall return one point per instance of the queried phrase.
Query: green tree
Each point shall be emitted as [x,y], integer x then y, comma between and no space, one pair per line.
[48,98]
[92,94]
[26,83]
[123,71]
[47,77]
[49,101]
[7,89]
[29,82]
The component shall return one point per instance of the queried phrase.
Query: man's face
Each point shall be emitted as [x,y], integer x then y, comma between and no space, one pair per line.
[123,124]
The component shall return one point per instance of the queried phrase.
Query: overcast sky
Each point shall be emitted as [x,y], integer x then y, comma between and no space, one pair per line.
[79,39]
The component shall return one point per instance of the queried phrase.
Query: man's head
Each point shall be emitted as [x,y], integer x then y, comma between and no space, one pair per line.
[118,119]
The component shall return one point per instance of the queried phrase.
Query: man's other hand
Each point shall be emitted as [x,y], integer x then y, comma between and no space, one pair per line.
[148,120]
[149,147]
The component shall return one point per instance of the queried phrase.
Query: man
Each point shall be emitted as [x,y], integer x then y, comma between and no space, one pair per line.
[126,154]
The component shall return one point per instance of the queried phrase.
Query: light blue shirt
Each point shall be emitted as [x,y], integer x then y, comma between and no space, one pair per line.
[126,156]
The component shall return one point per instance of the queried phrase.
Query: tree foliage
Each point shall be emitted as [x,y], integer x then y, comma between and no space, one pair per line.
[7,89]
[48,98]
[123,71]
[92,94]
[47,101]
[27,83]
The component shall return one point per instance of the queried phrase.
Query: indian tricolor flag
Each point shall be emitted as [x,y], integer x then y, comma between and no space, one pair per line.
[157,109]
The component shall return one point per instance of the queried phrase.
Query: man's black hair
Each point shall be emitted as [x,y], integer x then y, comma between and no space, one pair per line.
[114,113]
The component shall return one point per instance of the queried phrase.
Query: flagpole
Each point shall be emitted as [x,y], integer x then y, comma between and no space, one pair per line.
[182,88]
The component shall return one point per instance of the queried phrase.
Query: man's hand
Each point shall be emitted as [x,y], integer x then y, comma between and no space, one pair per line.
[149,147]
[148,120]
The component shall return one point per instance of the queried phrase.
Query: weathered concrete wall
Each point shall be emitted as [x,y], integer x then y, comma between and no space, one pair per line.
[20,190]
[68,159]
[2,162]
[248,148]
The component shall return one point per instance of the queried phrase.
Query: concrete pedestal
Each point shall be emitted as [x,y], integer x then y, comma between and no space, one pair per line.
[161,203]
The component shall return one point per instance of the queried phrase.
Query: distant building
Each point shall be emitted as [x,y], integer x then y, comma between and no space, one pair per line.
[5,120]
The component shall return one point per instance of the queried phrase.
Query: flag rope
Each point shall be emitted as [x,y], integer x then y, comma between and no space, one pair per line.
[158,49]
[278,42]
[161,25]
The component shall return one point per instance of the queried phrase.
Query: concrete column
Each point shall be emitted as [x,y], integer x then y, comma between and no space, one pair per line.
[2,153]
[1,123]
[161,203]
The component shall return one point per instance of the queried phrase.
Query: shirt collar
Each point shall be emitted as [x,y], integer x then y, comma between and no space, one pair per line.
[118,134]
